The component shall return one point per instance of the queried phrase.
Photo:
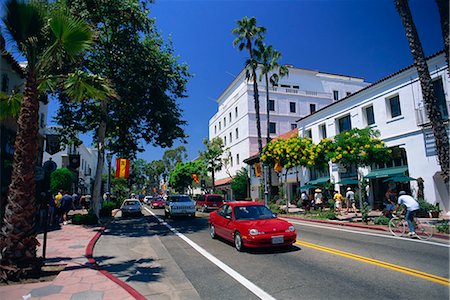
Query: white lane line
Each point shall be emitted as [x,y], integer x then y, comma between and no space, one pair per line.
[369,233]
[238,277]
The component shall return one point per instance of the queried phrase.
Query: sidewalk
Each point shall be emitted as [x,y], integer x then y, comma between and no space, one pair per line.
[79,279]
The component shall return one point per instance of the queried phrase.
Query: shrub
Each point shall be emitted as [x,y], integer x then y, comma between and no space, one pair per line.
[329,214]
[443,226]
[84,219]
[107,208]
[365,212]
[275,208]
[382,220]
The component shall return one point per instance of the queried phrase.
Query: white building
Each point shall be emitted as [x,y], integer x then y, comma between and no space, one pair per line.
[297,95]
[393,106]
[81,160]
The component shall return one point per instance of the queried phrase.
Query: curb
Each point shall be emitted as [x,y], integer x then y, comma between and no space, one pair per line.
[89,255]
[438,235]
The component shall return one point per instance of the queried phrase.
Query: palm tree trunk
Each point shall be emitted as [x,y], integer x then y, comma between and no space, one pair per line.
[101,133]
[443,14]
[429,98]
[18,238]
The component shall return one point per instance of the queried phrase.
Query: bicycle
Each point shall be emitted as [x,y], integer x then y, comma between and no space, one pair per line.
[398,225]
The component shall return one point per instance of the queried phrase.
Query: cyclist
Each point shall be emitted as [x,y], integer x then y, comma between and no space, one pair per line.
[412,206]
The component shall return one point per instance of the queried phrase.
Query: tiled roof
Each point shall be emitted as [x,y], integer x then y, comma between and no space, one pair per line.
[223,181]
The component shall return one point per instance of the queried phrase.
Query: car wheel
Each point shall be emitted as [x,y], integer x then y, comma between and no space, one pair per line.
[166,214]
[203,208]
[238,242]
[212,231]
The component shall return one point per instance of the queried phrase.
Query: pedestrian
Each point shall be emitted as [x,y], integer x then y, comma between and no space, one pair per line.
[51,208]
[390,202]
[58,213]
[318,199]
[66,206]
[76,199]
[350,200]
[304,198]
[337,198]
[412,206]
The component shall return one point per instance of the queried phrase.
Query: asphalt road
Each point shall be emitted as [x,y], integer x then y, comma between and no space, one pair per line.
[326,263]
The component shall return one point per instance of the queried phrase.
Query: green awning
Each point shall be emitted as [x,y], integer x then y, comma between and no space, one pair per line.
[383,173]
[347,181]
[399,178]
[319,181]
[307,187]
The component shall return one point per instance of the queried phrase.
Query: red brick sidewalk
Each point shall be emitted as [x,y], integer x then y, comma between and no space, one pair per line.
[79,280]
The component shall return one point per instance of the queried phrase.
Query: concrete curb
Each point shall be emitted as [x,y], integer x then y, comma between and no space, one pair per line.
[438,235]
[89,255]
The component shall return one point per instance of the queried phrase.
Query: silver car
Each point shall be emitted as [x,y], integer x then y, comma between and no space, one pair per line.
[131,207]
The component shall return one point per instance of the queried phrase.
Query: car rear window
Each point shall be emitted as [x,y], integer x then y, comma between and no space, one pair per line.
[180,199]
[215,199]
[131,202]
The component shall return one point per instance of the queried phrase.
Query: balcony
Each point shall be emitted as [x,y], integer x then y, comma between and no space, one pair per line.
[291,91]
[422,115]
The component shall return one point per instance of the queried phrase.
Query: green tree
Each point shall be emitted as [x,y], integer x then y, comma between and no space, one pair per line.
[61,179]
[180,177]
[429,98]
[239,184]
[46,38]
[212,156]
[155,170]
[119,188]
[172,157]
[138,174]
[146,75]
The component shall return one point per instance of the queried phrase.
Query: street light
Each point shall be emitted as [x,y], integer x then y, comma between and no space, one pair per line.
[108,159]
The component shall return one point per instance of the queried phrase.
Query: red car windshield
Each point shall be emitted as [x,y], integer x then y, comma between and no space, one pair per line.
[254,212]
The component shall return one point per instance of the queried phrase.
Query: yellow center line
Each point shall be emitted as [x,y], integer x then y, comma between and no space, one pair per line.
[379,263]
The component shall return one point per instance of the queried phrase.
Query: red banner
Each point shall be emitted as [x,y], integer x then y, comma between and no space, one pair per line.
[122,168]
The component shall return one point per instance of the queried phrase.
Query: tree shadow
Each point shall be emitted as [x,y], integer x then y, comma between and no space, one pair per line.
[132,269]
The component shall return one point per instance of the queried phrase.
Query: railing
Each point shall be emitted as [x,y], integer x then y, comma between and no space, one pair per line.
[300,92]
[422,114]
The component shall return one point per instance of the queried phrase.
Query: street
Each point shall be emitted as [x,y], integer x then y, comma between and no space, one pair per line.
[326,262]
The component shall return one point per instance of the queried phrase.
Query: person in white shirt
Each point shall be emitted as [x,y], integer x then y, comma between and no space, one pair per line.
[350,200]
[412,206]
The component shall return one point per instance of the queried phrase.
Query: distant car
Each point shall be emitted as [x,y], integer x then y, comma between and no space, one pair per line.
[148,199]
[208,202]
[157,203]
[131,207]
[250,224]
[179,205]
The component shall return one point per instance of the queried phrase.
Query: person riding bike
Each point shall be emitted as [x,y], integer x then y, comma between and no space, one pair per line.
[412,206]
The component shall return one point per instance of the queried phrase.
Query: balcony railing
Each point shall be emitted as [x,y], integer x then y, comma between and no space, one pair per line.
[301,92]
[422,114]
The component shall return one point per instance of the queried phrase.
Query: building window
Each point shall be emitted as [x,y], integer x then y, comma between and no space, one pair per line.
[295,87]
[344,123]
[235,112]
[285,86]
[231,137]
[323,131]
[336,95]
[312,108]
[231,160]
[272,127]
[308,133]
[224,140]
[215,129]
[220,126]
[292,107]
[5,83]
[224,122]
[237,159]
[369,115]
[293,126]
[440,97]
[237,133]
[272,105]
[394,106]
[229,119]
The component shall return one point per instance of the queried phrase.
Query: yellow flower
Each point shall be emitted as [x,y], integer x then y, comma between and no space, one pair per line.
[367,146]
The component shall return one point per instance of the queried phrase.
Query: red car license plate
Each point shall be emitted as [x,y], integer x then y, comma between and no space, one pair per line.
[277,239]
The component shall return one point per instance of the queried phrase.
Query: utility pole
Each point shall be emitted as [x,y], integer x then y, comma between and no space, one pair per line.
[108,159]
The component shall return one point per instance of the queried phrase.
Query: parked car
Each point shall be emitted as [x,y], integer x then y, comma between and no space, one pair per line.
[131,207]
[250,224]
[208,202]
[179,205]
[157,203]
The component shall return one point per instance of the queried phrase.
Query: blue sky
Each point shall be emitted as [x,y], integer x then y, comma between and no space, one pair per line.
[353,37]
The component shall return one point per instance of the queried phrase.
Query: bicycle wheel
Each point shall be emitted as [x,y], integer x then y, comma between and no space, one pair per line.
[397,227]
[424,232]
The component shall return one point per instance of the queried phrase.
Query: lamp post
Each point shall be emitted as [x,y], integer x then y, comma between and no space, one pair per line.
[108,159]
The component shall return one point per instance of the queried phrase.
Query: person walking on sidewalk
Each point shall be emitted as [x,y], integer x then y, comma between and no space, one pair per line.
[350,200]
[337,198]
[66,206]
[412,206]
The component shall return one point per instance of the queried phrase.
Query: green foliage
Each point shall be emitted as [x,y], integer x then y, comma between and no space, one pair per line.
[275,208]
[108,207]
[239,184]
[181,177]
[381,220]
[85,219]
[61,179]
[443,226]
[212,156]
[427,207]
[365,212]
[119,188]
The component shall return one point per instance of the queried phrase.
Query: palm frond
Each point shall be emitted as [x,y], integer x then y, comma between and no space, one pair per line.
[81,86]
[10,105]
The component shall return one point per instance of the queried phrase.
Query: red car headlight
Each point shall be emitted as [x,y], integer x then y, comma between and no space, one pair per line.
[255,232]
[290,229]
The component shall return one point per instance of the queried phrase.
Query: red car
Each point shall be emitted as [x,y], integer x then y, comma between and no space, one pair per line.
[157,203]
[208,202]
[251,224]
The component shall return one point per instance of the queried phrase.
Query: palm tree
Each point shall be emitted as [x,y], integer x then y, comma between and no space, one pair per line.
[443,14]
[45,38]
[249,35]
[429,98]
[268,60]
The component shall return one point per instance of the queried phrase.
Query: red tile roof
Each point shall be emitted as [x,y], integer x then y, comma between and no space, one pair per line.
[223,181]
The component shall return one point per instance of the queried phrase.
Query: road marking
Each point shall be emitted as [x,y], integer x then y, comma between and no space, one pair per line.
[370,233]
[379,263]
[238,277]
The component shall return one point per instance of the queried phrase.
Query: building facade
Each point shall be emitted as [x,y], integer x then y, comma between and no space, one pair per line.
[393,106]
[297,95]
